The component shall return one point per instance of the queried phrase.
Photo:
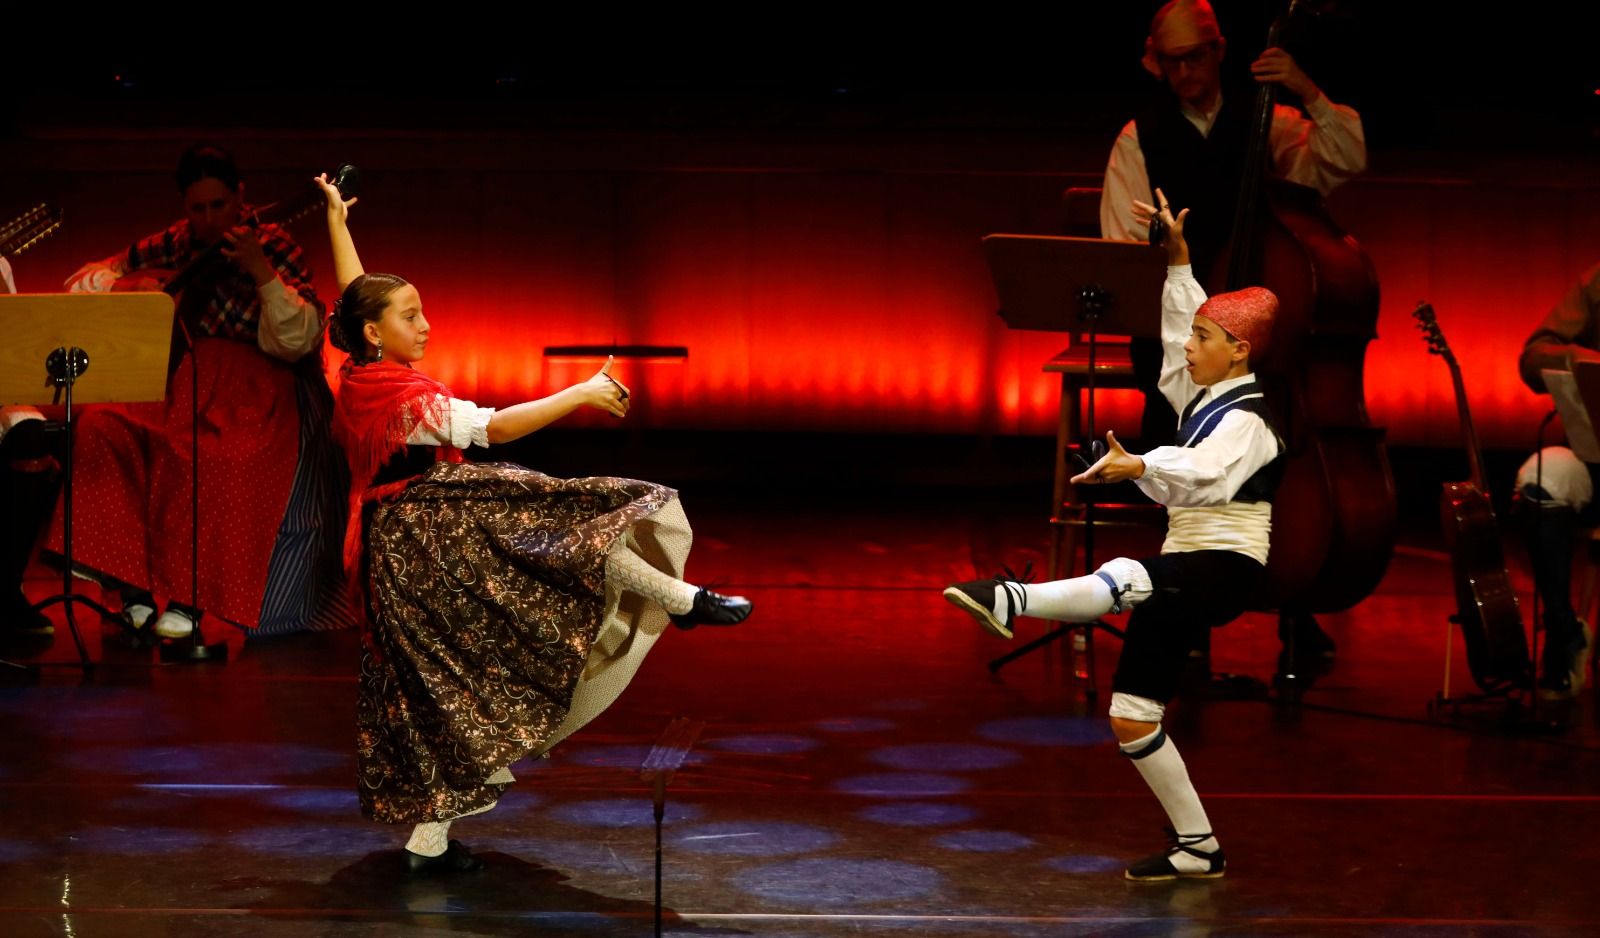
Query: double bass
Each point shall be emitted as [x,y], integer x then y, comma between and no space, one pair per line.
[1333,523]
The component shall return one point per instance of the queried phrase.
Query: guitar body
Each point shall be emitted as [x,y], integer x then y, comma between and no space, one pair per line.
[1486,605]
[1333,524]
[1486,608]
[1332,542]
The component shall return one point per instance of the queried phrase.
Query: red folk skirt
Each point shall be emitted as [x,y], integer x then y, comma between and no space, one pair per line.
[131,514]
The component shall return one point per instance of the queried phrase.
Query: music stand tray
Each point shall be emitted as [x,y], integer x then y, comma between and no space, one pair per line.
[1041,281]
[93,348]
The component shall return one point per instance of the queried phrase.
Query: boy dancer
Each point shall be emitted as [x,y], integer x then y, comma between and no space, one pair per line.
[1217,484]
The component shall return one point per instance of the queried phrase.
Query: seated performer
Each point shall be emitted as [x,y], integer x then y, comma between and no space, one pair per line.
[1192,141]
[1555,491]
[505,608]
[271,502]
[1217,484]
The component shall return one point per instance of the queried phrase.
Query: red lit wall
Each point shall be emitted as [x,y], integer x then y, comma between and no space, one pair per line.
[825,300]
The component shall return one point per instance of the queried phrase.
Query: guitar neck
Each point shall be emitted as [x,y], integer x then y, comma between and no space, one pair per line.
[1469,432]
[346,179]
[28,229]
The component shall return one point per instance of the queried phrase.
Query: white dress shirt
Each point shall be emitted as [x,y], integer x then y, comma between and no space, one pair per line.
[1197,483]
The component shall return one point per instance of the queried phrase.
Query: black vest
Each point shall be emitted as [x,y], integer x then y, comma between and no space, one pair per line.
[1200,173]
[1198,424]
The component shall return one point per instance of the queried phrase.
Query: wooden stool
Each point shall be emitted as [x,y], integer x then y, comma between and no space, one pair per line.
[1112,369]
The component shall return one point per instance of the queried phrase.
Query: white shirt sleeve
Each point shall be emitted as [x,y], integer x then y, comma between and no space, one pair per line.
[469,426]
[1181,295]
[98,276]
[289,328]
[1126,180]
[1211,471]
[1328,149]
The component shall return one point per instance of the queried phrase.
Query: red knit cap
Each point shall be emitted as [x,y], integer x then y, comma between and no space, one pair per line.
[1247,315]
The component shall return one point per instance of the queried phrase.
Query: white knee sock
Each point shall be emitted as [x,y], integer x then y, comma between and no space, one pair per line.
[631,572]
[1163,770]
[432,838]
[1080,599]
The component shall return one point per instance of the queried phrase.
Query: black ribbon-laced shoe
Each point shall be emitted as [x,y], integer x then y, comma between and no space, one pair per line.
[977,598]
[1159,868]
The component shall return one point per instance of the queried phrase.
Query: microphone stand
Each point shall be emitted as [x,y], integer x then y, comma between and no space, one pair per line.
[193,650]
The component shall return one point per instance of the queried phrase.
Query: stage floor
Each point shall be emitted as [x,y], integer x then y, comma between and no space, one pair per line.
[859,771]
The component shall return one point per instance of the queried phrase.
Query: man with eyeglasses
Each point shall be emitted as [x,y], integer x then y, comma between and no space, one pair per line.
[1192,143]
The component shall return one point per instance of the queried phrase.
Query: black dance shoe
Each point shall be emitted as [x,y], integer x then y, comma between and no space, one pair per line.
[455,859]
[713,609]
[1159,868]
[977,599]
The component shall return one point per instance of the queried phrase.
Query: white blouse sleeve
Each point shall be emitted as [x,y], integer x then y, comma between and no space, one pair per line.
[98,276]
[468,426]
[290,328]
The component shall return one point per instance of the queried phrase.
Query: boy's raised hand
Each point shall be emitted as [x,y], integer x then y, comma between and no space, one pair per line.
[1177,247]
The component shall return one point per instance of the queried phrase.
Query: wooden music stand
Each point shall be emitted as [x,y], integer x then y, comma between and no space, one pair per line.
[89,348]
[1089,286]
[1044,280]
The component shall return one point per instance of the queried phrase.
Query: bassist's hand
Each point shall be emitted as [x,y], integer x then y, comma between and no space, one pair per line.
[1276,65]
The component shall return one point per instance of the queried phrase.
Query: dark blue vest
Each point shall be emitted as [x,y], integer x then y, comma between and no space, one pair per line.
[1197,425]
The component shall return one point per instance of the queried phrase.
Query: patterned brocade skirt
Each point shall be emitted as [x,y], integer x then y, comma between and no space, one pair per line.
[496,632]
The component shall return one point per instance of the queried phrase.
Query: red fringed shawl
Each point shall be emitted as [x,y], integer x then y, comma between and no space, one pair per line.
[378,407]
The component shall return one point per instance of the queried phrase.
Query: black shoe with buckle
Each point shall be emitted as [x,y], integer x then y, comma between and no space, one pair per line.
[1159,868]
[977,599]
[713,609]
[455,859]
